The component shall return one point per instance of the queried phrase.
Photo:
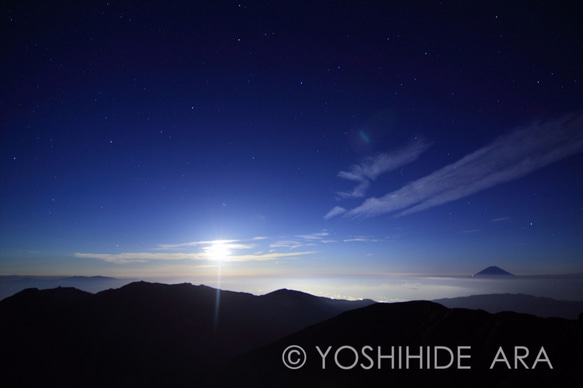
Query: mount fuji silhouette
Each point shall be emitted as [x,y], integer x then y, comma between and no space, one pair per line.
[493,271]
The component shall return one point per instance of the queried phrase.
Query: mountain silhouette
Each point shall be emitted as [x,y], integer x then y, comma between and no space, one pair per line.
[414,325]
[495,303]
[10,285]
[151,335]
[144,334]
[493,271]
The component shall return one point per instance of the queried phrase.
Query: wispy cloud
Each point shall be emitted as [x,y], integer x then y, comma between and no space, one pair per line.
[196,243]
[500,219]
[360,239]
[290,244]
[302,240]
[336,210]
[207,250]
[469,231]
[313,236]
[143,257]
[140,257]
[508,158]
[369,169]
[359,191]
[268,256]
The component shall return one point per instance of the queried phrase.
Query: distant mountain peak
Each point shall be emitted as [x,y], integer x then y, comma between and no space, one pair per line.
[493,271]
[286,291]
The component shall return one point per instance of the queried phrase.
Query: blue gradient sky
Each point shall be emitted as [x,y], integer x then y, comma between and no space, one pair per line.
[314,140]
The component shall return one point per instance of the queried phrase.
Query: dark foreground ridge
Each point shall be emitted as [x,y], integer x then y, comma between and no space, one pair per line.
[146,334]
[354,349]
[520,303]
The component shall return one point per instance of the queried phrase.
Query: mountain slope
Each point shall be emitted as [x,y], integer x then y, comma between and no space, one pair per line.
[10,285]
[143,333]
[495,303]
[146,334]
[415,324]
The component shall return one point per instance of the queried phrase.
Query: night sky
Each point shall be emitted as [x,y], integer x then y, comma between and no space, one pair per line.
[278,142]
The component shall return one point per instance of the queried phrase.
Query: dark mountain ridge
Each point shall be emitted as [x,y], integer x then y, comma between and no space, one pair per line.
[143,333]
[10,285]
[520,303]
[151,334]
[418,326]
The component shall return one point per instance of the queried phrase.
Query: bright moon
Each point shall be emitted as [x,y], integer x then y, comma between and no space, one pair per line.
[218,251]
